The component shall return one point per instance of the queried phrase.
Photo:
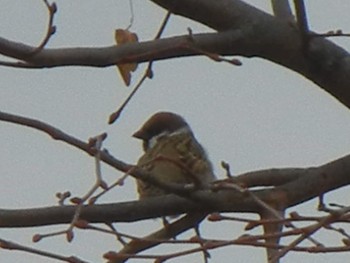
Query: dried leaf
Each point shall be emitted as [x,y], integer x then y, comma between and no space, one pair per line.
[122,37]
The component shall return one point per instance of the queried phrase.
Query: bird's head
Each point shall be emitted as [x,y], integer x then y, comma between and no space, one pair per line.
[160,124]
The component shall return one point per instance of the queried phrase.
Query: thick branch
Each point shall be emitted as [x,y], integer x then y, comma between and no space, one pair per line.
[309,183]
[245,31]
[170,231]
[109,56]
[293,186]
[277,40]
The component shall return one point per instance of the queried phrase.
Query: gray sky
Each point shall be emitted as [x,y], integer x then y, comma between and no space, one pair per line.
[256,116]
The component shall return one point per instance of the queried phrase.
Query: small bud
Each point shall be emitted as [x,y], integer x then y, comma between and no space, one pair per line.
[70,236]
[36,238]
[81,224]
[52,30]
[103,185]
[53,8]
[214,217]
[236,62]
[76,200]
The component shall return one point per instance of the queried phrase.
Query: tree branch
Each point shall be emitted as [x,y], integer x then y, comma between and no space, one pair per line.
[244,30]
[279,41]
[309,183]
[282,10]
[156,238]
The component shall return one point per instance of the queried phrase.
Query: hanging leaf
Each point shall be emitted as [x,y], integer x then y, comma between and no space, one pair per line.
[122,37]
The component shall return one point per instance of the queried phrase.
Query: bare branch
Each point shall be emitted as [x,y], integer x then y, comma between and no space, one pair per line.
[310,231]
[301,17]
[62,136]
[147,74]
[243,32]
[171,230]
[333,175]
[282,10]
[14,246]
[51,29]
[320,66]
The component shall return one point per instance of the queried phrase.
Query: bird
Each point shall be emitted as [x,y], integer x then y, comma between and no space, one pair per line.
[172,154]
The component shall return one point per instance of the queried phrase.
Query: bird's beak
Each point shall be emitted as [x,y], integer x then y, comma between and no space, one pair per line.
[142,136]
[139,135]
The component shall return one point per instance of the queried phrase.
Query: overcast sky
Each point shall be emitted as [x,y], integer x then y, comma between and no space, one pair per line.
[256,116]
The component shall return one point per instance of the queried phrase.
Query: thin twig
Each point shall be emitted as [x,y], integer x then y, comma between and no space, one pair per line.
[282,10]
[115,115]
[227,168]
[131,7]
[311,230]
[134,171]
[147,74]
[119,182]
[302,22]
[59,135]
[14,246]
[51,29]
[156,238]
[336,33]
[245,240]
[301,16]
[96,143]
[206,254]
[268,208]
[213,56]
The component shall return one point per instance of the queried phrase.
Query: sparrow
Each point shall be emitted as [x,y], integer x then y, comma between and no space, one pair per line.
[171,154]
